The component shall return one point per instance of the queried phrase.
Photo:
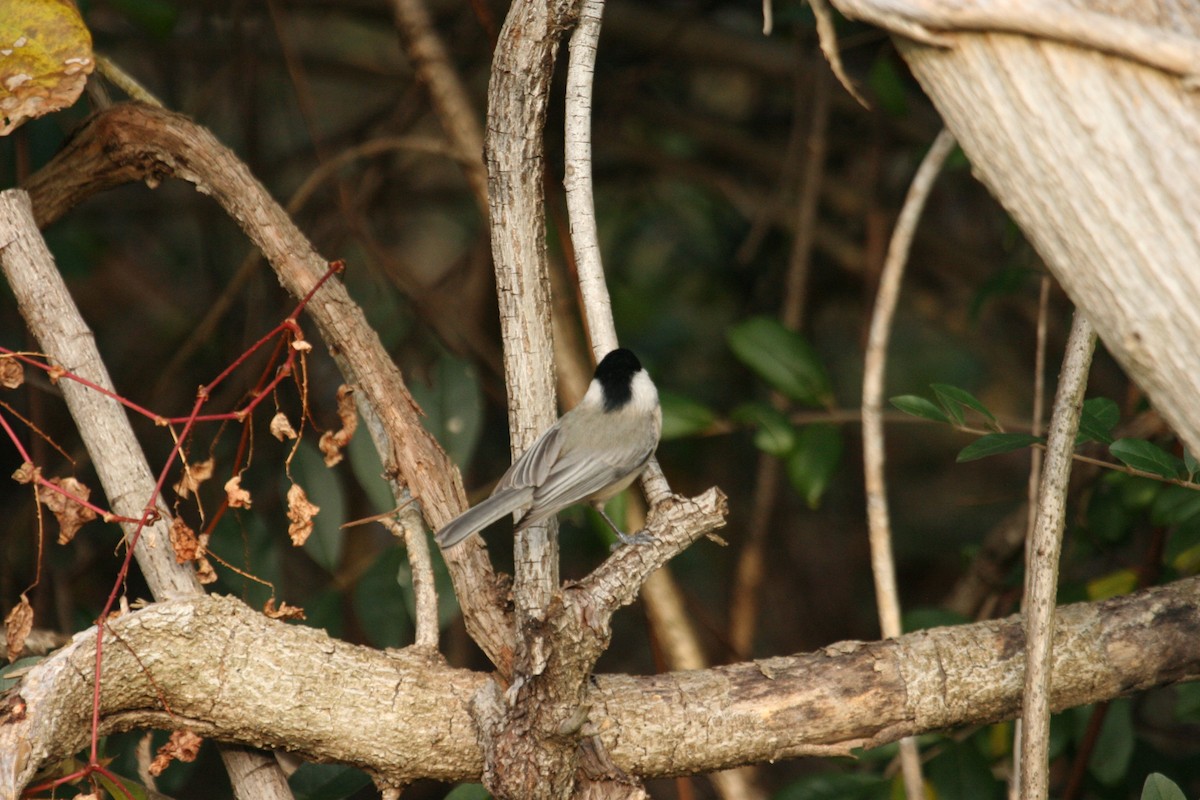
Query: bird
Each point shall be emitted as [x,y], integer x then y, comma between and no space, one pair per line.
[592,453]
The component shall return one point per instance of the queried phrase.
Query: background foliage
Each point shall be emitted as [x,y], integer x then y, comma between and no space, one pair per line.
[701,133]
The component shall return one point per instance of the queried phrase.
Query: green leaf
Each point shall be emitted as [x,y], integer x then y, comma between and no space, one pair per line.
[954,399]
[1174,504]
[1114,747]
[380,602]
[1100,415]
[132,788]
[1160,787]
[1187,702]
[453,404]
[1190,464]
[468,791]
[1182,551]
[18,667]
[993,444]
[368,471]
[774,433]
[814,461]
[783,358]
[326,781]
[888,87]
[962,771]
[1147,457]
[682,416]
[918,406]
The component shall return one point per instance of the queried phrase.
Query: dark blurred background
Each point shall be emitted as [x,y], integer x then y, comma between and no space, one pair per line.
[706,136]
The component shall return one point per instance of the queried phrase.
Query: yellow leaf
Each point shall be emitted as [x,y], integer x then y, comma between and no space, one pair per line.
[1114,584]
[45,58]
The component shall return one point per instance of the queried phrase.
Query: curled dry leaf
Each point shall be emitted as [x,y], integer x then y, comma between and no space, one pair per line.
[45,58]
[235,494]
[12,374]
[184,542]
[17,626]
[333,442]
[281,428]
[69,511]
[193,476]
[205,572]
[284,611]
[182,746]
[26,473]
[301,513]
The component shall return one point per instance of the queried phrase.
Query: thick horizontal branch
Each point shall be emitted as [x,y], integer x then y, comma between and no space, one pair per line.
[228,672]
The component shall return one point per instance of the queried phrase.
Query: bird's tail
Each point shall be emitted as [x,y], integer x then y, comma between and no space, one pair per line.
[473,520]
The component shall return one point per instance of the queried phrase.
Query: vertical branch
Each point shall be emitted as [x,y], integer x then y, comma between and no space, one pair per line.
[1042,555]
[882,564]
[577,180]
[518,96]
[664,603]
[1035,479]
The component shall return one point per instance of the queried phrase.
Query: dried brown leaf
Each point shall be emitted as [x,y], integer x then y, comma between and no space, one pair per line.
[26,473]
[281,428]
[235,494]
[182,746]
[12,373]
[284,611]
[301,513]
[17,626]
[333,442]
[193,476]
[70,513]
[205,572]
[184,542]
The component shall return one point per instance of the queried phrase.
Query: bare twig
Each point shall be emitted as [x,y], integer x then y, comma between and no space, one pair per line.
[424,589]
[1042,553]
[827,34]
[882,564]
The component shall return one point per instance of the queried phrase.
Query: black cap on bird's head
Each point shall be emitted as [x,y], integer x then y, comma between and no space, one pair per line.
[615,374]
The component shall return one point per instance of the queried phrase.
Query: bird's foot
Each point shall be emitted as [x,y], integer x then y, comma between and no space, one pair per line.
[623,539]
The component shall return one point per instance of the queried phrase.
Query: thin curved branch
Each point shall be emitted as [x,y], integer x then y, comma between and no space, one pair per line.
[882,564]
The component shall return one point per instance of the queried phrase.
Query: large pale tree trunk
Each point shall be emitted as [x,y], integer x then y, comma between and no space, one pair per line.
[1085,125]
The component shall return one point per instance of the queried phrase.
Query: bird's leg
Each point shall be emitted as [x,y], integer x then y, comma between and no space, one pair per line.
[623,538]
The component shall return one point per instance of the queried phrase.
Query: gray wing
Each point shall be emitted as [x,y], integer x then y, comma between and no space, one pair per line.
[532,467]
[577,476]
